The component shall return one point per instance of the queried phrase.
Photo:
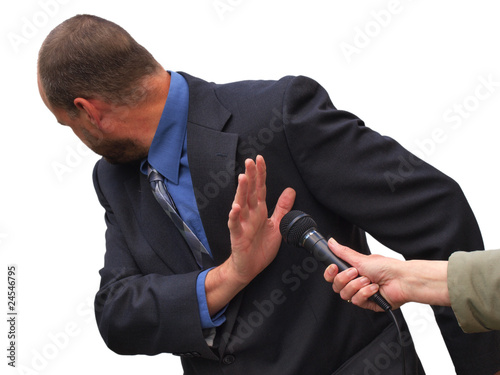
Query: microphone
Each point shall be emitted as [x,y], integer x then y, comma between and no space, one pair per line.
[299,229]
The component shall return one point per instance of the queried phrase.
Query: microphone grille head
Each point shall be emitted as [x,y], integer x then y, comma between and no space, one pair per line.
[294,225]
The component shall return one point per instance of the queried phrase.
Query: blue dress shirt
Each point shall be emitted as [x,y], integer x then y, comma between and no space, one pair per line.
[168,155]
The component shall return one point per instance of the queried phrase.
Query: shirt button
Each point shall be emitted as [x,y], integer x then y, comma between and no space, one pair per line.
[228,359]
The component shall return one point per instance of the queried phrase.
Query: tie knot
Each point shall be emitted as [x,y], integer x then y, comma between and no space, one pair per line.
[154,175]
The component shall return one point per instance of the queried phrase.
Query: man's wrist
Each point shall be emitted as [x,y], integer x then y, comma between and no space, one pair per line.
[222,284]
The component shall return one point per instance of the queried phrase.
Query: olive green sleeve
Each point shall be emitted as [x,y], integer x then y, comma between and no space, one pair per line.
[474,287]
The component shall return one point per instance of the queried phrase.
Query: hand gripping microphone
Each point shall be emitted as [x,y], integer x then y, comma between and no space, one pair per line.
[299,229]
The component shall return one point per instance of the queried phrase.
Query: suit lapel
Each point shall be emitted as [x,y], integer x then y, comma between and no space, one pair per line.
[158,229]
[212,161]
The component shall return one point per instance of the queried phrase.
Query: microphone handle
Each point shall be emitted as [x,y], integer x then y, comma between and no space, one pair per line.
[316,244]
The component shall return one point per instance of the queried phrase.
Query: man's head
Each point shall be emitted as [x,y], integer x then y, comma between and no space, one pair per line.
[98,80]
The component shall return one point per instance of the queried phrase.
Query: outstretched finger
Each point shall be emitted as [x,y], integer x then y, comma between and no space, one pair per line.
[251,173]
[234,223]
[240,198]
[261,178]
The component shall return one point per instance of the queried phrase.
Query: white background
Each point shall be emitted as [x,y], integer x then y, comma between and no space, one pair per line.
[402,66]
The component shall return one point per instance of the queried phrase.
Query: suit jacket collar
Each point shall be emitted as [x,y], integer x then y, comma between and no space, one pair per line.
[204,107]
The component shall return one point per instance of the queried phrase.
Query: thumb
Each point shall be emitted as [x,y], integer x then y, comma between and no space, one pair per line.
[343,252]
[284,205]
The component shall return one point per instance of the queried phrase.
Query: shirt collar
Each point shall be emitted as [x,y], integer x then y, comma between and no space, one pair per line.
[166,149]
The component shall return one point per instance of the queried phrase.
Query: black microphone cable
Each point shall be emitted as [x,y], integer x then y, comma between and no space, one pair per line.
[299,229]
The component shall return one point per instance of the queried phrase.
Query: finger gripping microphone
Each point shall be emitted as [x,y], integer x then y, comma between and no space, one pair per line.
[299,229]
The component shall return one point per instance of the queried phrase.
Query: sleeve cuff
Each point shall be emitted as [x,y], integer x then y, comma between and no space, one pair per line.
[206,320]
[467,281]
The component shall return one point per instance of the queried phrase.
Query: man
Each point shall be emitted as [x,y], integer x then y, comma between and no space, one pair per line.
[240,301]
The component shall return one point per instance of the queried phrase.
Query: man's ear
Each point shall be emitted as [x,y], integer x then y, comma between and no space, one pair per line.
[93,110]
[88,109]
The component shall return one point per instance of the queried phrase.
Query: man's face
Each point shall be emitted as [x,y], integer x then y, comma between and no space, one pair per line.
[114,148]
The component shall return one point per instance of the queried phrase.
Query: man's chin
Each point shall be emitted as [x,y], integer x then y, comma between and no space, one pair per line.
[123,160]
[121,152]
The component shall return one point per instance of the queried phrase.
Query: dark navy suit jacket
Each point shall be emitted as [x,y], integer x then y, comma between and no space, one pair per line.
[349,178]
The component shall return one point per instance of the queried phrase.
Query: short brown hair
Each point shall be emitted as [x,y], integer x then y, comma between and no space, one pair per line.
[90,57]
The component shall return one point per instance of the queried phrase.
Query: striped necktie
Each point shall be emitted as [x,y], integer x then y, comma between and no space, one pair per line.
[163,197]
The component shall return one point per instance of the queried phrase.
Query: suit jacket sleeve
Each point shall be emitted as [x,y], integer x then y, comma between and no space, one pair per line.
[379,186]
[141,313]
[474,286]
